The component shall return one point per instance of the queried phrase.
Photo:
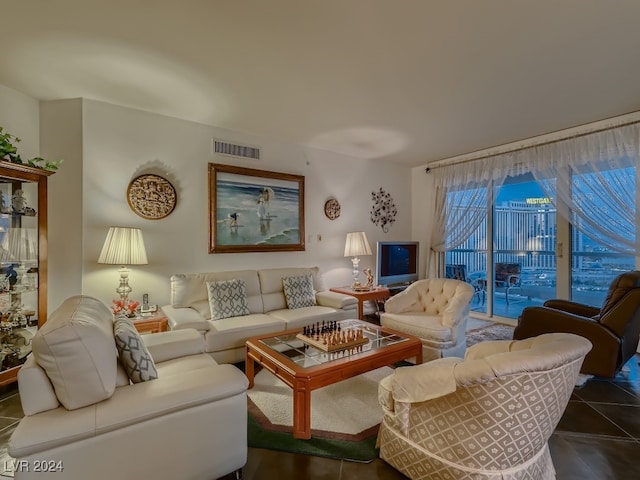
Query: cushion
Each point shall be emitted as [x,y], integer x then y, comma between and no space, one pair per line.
[133,353]
[227,298]
[298,291]
[76,350]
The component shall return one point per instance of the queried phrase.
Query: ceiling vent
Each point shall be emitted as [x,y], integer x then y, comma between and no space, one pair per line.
[233,150]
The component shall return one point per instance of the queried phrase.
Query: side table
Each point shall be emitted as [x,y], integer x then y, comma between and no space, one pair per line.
[380,293]
[152,324]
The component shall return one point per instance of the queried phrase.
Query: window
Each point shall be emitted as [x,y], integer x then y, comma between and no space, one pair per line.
[598,257]
[523,261]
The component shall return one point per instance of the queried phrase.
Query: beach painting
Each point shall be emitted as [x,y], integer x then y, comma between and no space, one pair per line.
[253,210]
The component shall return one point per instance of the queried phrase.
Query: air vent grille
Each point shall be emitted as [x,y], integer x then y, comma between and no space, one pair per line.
[233,150]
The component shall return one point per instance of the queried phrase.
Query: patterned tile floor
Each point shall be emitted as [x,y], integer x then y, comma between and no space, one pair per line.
[597,438]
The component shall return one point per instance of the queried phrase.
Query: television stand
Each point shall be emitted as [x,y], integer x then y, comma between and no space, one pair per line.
[396,288]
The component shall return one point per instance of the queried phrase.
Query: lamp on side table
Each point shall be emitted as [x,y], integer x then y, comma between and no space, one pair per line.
[123,246]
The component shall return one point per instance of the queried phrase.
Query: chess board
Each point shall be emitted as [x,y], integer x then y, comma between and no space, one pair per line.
[320,342]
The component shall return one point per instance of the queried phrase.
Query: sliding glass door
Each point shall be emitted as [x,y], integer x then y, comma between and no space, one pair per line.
[520,227]
[516,257]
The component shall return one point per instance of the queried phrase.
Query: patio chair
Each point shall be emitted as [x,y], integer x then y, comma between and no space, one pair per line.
[507,277]
[459,272]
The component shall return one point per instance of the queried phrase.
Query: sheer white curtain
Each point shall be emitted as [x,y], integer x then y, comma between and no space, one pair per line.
[461,196]
[591,179]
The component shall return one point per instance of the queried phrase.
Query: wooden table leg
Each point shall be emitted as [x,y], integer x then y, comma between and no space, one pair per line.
[360,309]
[249,368]
[301,410]
[419,357]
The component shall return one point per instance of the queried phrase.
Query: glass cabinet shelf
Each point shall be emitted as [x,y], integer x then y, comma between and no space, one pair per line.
[23,228]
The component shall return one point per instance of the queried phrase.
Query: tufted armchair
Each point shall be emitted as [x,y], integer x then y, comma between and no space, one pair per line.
[436,310]
[486,417]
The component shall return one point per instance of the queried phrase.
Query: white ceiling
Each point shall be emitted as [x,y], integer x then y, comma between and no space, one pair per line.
[411,81]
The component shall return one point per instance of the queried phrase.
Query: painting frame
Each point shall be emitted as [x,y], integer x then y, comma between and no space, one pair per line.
[238,226]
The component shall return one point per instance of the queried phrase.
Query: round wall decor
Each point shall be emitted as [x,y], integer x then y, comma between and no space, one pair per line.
[151,196]
[332,209]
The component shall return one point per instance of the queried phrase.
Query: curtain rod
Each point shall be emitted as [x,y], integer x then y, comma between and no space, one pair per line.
[548,142]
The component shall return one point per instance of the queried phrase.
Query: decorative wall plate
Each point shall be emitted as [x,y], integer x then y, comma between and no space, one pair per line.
[332,209]
[151,196]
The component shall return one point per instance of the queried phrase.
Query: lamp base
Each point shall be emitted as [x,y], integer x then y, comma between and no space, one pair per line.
[124,289]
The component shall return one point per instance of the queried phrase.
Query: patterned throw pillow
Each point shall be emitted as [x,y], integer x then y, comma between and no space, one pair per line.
[228,298]
[298,291]
[133,353]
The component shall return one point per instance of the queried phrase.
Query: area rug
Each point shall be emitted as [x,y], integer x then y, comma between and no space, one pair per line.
[493,331]
[345,417]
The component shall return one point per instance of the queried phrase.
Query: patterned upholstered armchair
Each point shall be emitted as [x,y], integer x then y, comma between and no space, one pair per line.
[488,416]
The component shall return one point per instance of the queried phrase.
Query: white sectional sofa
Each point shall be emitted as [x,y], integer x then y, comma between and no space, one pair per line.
[85,419]
[268,312]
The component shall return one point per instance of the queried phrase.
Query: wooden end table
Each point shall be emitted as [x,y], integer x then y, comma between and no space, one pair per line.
[155,323]
[380,293]
[305,368]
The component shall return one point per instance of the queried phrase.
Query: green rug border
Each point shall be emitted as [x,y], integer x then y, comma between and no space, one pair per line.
[363,452]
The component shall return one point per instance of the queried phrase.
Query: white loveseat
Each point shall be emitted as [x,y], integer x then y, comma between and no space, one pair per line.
[268,313]
[85,419]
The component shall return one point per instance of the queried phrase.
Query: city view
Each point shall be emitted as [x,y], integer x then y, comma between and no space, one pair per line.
[525,246]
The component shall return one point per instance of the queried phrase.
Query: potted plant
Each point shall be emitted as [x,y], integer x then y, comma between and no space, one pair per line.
[9,152]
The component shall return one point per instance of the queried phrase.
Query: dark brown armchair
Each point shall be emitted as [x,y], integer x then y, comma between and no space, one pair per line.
[614,329]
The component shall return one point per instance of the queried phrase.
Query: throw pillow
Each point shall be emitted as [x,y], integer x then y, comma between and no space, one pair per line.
[228,298]
[132,351]
[298,291]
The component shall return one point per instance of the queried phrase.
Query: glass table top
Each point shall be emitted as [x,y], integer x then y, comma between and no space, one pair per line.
[306,355]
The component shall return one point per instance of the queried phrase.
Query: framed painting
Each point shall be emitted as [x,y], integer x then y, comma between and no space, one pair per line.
[254,210]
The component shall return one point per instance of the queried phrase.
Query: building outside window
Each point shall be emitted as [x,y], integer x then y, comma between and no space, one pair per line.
[521,226]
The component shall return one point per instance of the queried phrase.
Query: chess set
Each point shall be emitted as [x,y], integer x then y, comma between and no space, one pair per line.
[331,337]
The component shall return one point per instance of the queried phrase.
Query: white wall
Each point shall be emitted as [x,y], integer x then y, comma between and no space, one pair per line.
[61,138]
[118,144]
[19,115]
[422,200]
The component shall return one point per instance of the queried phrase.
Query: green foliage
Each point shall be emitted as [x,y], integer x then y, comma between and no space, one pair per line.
[9,152]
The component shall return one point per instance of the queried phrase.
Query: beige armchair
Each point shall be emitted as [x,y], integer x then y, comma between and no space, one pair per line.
[86,417]
[436,310]
[488,416]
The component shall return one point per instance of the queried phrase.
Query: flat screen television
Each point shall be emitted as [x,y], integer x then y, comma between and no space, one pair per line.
[397,263]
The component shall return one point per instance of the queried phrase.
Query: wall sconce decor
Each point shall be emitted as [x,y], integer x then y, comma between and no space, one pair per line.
[383,211]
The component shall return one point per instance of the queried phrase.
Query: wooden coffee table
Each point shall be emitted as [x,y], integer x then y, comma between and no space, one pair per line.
[306,368]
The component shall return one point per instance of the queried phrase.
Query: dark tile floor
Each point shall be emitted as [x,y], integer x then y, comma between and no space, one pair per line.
[597,438]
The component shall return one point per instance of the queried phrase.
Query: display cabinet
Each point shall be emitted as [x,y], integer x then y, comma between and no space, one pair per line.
[23,262]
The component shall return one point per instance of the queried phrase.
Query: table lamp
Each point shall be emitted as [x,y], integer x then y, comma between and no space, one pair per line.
[357,244]
[123,246]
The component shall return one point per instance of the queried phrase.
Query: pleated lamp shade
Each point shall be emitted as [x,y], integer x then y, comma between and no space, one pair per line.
[20,245]
[123,246]
[356,244]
